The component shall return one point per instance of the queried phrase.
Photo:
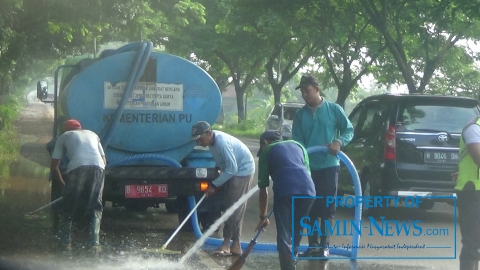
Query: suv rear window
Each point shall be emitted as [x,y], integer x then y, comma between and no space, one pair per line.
[289,112]
[438,115]
[277,110]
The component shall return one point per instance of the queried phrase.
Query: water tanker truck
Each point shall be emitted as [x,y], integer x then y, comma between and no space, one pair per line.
[142,104]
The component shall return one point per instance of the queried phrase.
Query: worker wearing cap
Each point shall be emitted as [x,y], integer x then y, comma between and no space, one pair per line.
[468,195]
[321,122]
[287,163]
[83,186]
[237,167]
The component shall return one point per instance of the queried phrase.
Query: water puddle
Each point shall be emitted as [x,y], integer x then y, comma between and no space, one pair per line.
[26,240]
[218,222]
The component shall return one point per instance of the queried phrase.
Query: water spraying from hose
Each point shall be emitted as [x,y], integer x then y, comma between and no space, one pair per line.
[217,224]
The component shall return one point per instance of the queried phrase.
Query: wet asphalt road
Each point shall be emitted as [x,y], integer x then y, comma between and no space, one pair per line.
[439,220]
[26,239]
[25,242]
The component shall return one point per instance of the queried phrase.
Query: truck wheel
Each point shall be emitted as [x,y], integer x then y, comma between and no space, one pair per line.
[183,210]
[207,219]
[426,204]
[171,207]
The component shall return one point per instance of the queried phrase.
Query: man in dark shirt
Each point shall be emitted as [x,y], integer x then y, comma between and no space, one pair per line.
[286,162]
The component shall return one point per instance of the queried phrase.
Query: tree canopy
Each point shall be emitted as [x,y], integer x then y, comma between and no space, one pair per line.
[424,45]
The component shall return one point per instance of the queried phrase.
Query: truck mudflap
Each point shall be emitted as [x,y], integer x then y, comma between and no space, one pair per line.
[155,183]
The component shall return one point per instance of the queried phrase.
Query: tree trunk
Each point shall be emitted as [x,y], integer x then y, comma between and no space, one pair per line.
[343,92]
[240,104]
[4,85]
[277,93]
[222,84]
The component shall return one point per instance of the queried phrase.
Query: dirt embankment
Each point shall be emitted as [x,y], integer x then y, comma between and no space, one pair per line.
[35,126]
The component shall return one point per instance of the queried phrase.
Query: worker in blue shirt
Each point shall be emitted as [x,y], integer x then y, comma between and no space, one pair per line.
[321,122]
[237,166]
[286,162]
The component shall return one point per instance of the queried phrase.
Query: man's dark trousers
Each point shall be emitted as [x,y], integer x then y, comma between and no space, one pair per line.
[82,195]
[282,209]
[326,183]
[468,204]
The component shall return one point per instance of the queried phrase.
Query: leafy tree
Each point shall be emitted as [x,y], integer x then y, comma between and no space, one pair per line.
[418,35]
[237,49]
[287,35]
[352,46]
[34,30]
[462,76]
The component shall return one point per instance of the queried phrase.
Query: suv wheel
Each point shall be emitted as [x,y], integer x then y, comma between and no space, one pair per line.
[366,189]
[426,205]
[183,210]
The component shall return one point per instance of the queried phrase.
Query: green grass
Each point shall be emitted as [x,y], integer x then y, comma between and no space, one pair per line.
[9,137]
[239,130]
[9,144]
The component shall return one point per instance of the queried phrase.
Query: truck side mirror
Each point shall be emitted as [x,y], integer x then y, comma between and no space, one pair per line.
[42,90]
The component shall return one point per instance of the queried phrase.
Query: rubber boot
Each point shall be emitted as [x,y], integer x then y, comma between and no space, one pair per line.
[95,233]
[313,247]
[286,262]
[313,240]
[325,238]
[64,234]
[466,264]
[56,192]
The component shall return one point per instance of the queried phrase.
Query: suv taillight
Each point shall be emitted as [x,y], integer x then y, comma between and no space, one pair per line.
[390,143]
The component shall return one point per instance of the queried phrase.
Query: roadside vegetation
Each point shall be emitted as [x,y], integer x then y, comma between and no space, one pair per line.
[9,143]
[257,45]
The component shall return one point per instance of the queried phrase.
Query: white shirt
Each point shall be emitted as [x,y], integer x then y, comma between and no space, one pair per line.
[82,148]
[471,134]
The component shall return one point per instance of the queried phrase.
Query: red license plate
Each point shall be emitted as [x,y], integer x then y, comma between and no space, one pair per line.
[146,191]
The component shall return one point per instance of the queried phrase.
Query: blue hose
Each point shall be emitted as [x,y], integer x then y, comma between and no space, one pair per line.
[140,157]
[129,47]
[140,63]
[272,247]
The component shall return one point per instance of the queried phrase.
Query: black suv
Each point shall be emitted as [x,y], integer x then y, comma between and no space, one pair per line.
[407,145]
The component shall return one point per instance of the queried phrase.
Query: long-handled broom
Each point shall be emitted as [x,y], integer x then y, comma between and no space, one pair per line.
[241,260]
[163,249]
[45,206]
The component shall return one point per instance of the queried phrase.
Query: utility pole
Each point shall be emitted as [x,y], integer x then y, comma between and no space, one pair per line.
[94,48]
[246,105]
[279,71]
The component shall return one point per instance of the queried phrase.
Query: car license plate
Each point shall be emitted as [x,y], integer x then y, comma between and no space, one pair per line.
[440,157]
[146,191]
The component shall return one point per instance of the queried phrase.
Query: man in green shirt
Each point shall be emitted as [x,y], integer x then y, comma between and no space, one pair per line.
[286,162]
[321,122]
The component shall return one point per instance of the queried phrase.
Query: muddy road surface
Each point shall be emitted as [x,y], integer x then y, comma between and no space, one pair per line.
[26,240]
